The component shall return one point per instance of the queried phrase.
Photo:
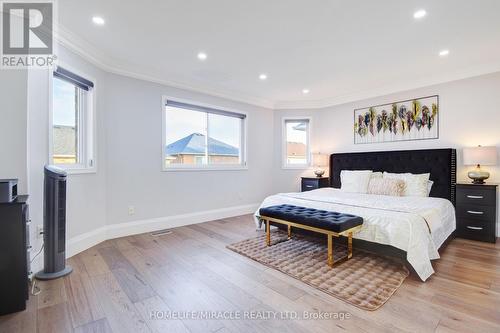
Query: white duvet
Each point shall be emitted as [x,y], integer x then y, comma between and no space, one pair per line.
[416,225]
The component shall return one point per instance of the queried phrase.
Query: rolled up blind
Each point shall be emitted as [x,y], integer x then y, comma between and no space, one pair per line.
[72,78]
[193,107]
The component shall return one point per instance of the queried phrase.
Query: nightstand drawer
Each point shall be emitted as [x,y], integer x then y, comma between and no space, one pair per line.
[476,196]
[476,212]
[476,229]
[308,185]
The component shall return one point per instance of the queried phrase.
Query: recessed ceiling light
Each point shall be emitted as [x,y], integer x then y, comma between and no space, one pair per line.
[263,76]
[420,14]
[444,53]
[305,91]
[98,20]
[202,56]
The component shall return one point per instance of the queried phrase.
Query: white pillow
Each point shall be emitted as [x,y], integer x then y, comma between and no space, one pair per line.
[416,185]
[377,174]
[355,181]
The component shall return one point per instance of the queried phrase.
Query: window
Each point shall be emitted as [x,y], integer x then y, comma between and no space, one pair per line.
[200,137]
[296,143]
[71,128]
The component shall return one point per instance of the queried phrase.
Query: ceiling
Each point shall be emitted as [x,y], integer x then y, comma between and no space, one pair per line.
[340,50]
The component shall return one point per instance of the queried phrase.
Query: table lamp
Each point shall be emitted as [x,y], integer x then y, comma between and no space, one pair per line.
[320,161]
[479,156]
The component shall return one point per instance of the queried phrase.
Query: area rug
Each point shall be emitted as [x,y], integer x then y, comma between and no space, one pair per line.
[366,280]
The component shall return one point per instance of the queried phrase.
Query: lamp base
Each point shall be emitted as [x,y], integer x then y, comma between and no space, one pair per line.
[478,176]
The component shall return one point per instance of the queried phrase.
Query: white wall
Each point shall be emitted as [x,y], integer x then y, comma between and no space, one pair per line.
[13,120]
[128,161]
[469,116]
[134,176]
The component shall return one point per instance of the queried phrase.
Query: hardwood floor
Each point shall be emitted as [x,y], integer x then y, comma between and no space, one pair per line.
[117,285]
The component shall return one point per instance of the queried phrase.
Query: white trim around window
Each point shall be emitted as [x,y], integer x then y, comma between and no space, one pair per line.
[87,143]
[243,165]
[284,158]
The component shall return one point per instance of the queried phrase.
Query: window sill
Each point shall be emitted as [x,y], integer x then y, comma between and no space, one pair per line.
[298,167]
[236,168]
[77,171]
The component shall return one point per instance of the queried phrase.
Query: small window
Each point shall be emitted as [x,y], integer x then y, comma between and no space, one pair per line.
[71,132]
[199,137]
[296,152]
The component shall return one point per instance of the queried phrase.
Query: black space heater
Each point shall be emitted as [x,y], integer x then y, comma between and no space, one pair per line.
[54,225]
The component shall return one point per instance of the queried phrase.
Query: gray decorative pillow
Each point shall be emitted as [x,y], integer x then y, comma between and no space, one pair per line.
[386,186]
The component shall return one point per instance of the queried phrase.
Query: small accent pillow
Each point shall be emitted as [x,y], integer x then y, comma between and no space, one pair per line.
[386,186]
[355,181]
[416,184]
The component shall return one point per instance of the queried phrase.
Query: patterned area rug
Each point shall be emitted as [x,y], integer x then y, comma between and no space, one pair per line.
[366,280]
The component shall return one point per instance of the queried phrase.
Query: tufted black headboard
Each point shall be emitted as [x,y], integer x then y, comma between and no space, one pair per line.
[440,163]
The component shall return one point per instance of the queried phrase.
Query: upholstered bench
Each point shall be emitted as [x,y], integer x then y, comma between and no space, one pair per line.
[332,224]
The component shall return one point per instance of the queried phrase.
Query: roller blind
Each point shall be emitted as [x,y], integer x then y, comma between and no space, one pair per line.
[193,107]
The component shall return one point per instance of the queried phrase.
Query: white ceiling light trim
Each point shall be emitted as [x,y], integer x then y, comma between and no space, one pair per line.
[419,14]
[98,20]
[263,76]
[202,56]
[305,91]
[444,53]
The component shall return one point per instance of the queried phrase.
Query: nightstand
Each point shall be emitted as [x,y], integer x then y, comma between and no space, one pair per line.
[477,211]
[313,183]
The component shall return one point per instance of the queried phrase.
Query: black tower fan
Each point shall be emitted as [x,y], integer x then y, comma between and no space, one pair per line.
[54,225]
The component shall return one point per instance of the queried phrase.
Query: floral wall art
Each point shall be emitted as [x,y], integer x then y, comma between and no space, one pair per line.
[415,119]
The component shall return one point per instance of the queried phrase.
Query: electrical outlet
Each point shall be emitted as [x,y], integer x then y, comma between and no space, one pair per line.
[131,210]
[39,231]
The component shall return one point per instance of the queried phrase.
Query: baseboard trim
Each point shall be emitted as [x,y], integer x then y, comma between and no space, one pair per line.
[84,241]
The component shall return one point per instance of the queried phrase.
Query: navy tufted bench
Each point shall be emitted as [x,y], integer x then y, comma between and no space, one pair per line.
[332,224]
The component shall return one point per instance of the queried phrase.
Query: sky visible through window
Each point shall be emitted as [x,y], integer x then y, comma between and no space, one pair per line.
[63,103]
[181,123]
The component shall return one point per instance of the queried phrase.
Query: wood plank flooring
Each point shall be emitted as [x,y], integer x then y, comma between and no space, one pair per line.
[117,285]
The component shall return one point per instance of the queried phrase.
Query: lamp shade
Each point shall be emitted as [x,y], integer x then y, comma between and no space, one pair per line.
[320,160]
[480,155]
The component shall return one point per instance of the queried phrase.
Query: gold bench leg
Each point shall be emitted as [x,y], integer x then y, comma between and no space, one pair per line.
[349,246]
[268,233]
[289,232]
[330,250]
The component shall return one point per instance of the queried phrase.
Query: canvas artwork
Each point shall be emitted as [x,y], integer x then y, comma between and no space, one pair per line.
[415,119]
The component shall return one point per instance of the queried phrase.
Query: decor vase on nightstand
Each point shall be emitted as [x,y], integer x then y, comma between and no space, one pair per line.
[477,211]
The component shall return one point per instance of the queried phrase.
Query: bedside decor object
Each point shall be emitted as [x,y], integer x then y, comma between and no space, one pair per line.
[479,156]
[320,161]
[477,211]
[313,183]
[415,119]
[8,190]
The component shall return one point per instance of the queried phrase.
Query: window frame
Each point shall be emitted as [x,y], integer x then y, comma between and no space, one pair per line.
[87,145]
[243,165]
[284,164]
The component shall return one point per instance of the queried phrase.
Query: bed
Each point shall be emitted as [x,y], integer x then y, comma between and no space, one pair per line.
[413,228]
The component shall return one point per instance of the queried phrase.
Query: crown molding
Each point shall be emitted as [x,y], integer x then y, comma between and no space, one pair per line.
[90,53]
[385,90]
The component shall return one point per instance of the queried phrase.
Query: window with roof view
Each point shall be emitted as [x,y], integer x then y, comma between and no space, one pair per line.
[296,143]
[71,141]
[202,137]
